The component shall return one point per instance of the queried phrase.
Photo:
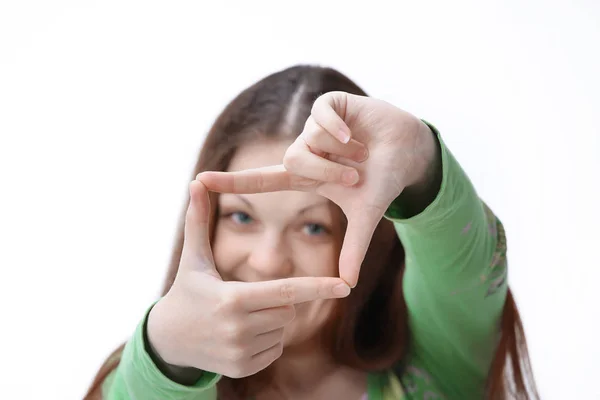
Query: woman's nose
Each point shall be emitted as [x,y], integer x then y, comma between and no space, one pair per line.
[270,257]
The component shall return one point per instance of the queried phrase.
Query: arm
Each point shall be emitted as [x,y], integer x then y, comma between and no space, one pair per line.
[138,377]
[454,282]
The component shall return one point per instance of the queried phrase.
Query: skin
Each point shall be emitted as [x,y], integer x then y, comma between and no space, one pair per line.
[268,236]
[360,153]
[240,325]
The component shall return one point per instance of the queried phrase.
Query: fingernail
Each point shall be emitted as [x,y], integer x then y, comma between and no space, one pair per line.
[344,135]
[350,177]
[341,290]
[349,285]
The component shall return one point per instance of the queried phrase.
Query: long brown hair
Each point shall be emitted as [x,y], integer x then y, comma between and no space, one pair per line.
[274,108]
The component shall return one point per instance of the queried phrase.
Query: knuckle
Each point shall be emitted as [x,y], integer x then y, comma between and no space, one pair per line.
[321,101]
[233,332]
[309,137]
[230,301]
[317,104]
[292,159]
[287,293]
[237,355]
[331,173]
[311,132]
[260,183]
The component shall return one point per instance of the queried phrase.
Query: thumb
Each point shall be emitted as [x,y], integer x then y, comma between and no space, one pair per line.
[361,225]
[196,253]
[329,111]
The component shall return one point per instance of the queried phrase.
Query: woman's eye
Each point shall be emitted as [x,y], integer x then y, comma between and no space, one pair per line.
[240,217]
[314,229]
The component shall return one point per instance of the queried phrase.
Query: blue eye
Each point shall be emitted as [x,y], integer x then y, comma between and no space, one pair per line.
[314,229]
[241,218]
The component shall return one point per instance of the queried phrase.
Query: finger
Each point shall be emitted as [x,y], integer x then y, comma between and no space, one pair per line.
[265,341]
[359,232]
[325,114]
[320,141]
[258,180]
[196,245]
[262,360]
[299,160]
[283,292]
[270,319]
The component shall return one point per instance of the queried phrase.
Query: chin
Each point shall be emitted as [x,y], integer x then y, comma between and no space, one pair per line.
[294,335]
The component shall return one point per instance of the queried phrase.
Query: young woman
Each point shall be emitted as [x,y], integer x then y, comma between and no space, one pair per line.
[346,256]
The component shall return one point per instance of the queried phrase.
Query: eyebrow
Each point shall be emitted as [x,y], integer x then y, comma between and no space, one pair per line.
[301,211]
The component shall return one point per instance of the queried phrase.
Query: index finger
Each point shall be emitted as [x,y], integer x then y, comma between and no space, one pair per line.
[283,292]
[257,180]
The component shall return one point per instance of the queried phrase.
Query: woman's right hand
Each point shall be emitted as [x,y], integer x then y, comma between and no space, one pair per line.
[230,328]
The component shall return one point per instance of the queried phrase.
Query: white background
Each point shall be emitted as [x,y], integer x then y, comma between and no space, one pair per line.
[104,104]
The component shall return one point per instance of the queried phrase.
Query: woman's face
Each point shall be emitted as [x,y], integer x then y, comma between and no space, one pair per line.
[276,235]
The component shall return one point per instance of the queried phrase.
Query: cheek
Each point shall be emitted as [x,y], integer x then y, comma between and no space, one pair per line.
[228,252]
[318,260]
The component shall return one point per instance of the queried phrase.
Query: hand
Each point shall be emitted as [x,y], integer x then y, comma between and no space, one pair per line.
[231,328]
[357,151]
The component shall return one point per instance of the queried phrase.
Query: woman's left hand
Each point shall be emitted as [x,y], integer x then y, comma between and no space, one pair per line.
[359,152]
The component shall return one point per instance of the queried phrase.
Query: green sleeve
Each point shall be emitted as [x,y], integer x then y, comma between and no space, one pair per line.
[137,377]
[454,287]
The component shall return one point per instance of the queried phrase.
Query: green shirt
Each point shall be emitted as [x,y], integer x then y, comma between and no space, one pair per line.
[454,286]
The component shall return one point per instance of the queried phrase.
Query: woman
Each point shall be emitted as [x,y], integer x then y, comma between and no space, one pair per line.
[254,304]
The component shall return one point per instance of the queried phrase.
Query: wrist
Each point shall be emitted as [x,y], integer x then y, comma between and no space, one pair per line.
[181,374]
[426,180]
[427,161]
